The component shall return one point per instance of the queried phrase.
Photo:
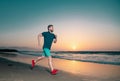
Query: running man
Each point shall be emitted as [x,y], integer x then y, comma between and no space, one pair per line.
[49,37]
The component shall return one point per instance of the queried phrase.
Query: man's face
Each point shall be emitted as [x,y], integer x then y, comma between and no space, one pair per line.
[51,29]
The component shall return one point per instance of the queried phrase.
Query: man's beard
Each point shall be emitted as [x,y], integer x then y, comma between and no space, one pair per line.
[51,30]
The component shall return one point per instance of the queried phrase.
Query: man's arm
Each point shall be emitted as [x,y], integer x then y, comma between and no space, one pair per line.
[39,36]
[55,40]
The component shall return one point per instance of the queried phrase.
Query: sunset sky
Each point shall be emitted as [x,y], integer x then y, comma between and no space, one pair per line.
[79,24]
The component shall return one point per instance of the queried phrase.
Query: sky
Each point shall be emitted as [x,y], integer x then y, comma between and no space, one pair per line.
[78,24]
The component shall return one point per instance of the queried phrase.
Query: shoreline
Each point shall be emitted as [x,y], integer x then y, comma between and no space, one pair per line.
[99,72]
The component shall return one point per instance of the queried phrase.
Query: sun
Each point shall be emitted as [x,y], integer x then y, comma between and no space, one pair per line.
[74,47]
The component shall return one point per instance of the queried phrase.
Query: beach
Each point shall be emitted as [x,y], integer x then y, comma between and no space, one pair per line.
[16,67]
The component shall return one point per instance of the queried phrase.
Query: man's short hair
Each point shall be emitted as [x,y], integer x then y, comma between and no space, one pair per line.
[49,26]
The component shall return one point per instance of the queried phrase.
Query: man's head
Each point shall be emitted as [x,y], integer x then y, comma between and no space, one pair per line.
[50,28]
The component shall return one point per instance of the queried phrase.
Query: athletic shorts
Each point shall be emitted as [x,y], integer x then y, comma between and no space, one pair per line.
[46,52]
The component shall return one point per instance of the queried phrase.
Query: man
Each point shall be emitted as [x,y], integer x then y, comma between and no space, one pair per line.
[49,37]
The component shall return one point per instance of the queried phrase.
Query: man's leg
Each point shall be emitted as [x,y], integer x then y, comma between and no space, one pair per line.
[39,58]
[50,63]
[47,54]
[53,71]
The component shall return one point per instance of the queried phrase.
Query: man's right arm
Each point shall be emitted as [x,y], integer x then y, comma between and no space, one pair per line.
[39,36]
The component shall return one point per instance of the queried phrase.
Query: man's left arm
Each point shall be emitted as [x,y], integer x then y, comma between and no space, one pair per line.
[55,39]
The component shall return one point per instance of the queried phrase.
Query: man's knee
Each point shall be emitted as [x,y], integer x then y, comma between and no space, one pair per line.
[41,57]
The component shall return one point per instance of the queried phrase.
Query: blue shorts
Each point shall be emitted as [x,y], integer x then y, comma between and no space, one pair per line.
[46,52]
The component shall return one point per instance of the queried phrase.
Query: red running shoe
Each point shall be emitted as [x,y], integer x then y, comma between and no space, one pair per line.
[54,72]
[33,63]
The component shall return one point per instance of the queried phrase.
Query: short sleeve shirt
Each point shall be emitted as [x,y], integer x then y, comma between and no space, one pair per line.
[48,39]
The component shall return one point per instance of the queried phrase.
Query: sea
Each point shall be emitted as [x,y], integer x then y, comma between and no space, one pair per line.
[102,57]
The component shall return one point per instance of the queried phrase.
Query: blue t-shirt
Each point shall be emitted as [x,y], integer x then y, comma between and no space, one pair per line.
[48,39]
